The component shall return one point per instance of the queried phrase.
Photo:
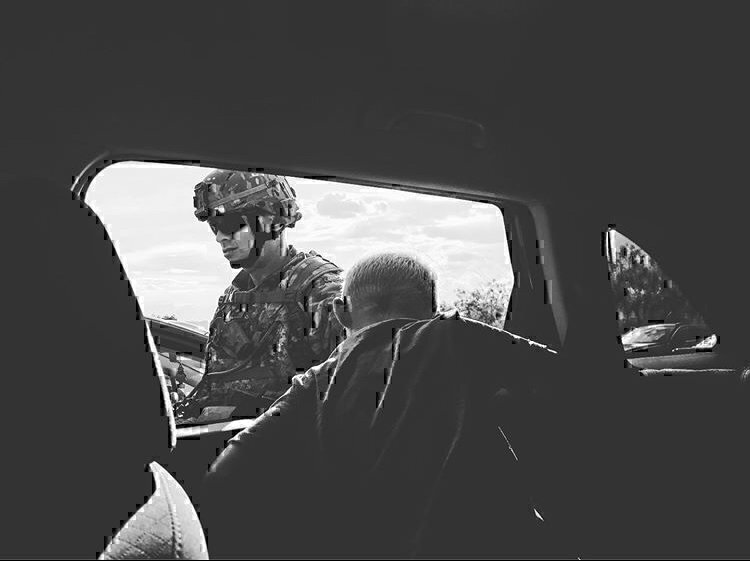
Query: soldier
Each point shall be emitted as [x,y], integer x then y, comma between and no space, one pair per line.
[275,320]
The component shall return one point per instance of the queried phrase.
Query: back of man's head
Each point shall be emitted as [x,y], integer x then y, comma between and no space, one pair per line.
[390,285]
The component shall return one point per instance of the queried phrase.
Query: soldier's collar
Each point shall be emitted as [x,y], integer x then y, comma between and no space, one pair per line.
[243,280]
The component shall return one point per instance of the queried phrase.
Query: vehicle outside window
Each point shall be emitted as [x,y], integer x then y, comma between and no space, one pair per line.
[646,335]
[660,329]
[178,269]
[181,348]
[671,345]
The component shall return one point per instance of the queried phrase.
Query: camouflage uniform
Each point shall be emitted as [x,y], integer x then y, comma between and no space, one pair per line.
[261,336]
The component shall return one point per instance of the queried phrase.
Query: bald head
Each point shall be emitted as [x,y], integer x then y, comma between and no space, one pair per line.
[387,286]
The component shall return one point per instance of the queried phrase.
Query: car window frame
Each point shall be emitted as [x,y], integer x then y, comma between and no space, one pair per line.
[82,182]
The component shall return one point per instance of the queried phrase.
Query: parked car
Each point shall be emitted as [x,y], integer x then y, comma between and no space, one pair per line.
[673,346]
[181,347]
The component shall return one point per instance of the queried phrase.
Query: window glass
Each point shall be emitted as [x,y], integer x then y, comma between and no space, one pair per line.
[659,328]
[689,336]
[647,334]
[179,269]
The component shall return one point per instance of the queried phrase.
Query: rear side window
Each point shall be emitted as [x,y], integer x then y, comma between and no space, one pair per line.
[659,329]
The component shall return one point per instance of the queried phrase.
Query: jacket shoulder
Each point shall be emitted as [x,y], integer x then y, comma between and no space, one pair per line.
[313,267]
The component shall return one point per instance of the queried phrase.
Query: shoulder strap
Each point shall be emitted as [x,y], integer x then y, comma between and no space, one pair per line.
[307,272]
[300,281]
[300,277]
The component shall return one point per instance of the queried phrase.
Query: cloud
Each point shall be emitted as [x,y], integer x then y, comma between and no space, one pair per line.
[336,205]
[461,257]
[428,206]
[483,232]
[178,271]
[180,251]
[377,228]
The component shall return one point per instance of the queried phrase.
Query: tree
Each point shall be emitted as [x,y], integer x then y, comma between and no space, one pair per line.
[644,294]
[487,304]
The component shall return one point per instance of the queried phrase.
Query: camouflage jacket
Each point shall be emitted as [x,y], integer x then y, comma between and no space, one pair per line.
[262,336]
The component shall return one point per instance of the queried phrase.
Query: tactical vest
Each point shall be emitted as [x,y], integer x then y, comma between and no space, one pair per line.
[231,336]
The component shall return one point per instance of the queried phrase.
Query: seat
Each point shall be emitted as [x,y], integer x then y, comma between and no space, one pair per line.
[86,407]
[165,527]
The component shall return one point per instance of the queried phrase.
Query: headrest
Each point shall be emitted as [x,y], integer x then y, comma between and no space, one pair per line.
[84,394]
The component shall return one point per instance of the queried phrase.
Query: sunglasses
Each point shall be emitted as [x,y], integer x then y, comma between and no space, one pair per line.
[229,223]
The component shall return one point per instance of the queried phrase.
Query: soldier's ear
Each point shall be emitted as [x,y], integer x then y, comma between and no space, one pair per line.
[342,312]
[268,226]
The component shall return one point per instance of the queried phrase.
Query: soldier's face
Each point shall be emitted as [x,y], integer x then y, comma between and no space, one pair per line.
[238,242]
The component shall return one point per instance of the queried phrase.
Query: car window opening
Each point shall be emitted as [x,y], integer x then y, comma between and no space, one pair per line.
[190,236]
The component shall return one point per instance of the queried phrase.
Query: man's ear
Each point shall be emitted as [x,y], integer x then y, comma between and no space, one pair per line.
[342,312]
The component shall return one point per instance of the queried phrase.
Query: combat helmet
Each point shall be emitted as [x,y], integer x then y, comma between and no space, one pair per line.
[237,192]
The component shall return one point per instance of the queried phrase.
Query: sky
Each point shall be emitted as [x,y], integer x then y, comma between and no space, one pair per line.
[176,266]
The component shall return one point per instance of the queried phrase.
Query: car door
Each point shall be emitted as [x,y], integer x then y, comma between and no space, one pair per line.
[625,462]
[691,426]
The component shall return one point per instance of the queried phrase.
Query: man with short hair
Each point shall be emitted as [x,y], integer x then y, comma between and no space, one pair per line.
[386,286]
[275,319]
[390,448]
[381,294]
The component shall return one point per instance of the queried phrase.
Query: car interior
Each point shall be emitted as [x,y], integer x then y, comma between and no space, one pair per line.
[575,118]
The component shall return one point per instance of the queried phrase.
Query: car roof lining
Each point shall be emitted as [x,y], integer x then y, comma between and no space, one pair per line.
[628,113]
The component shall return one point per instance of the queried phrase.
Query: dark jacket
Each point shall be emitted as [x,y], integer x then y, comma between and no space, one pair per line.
[389,448]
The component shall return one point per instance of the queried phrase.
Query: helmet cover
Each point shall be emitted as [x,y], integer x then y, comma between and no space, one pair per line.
[224,192]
